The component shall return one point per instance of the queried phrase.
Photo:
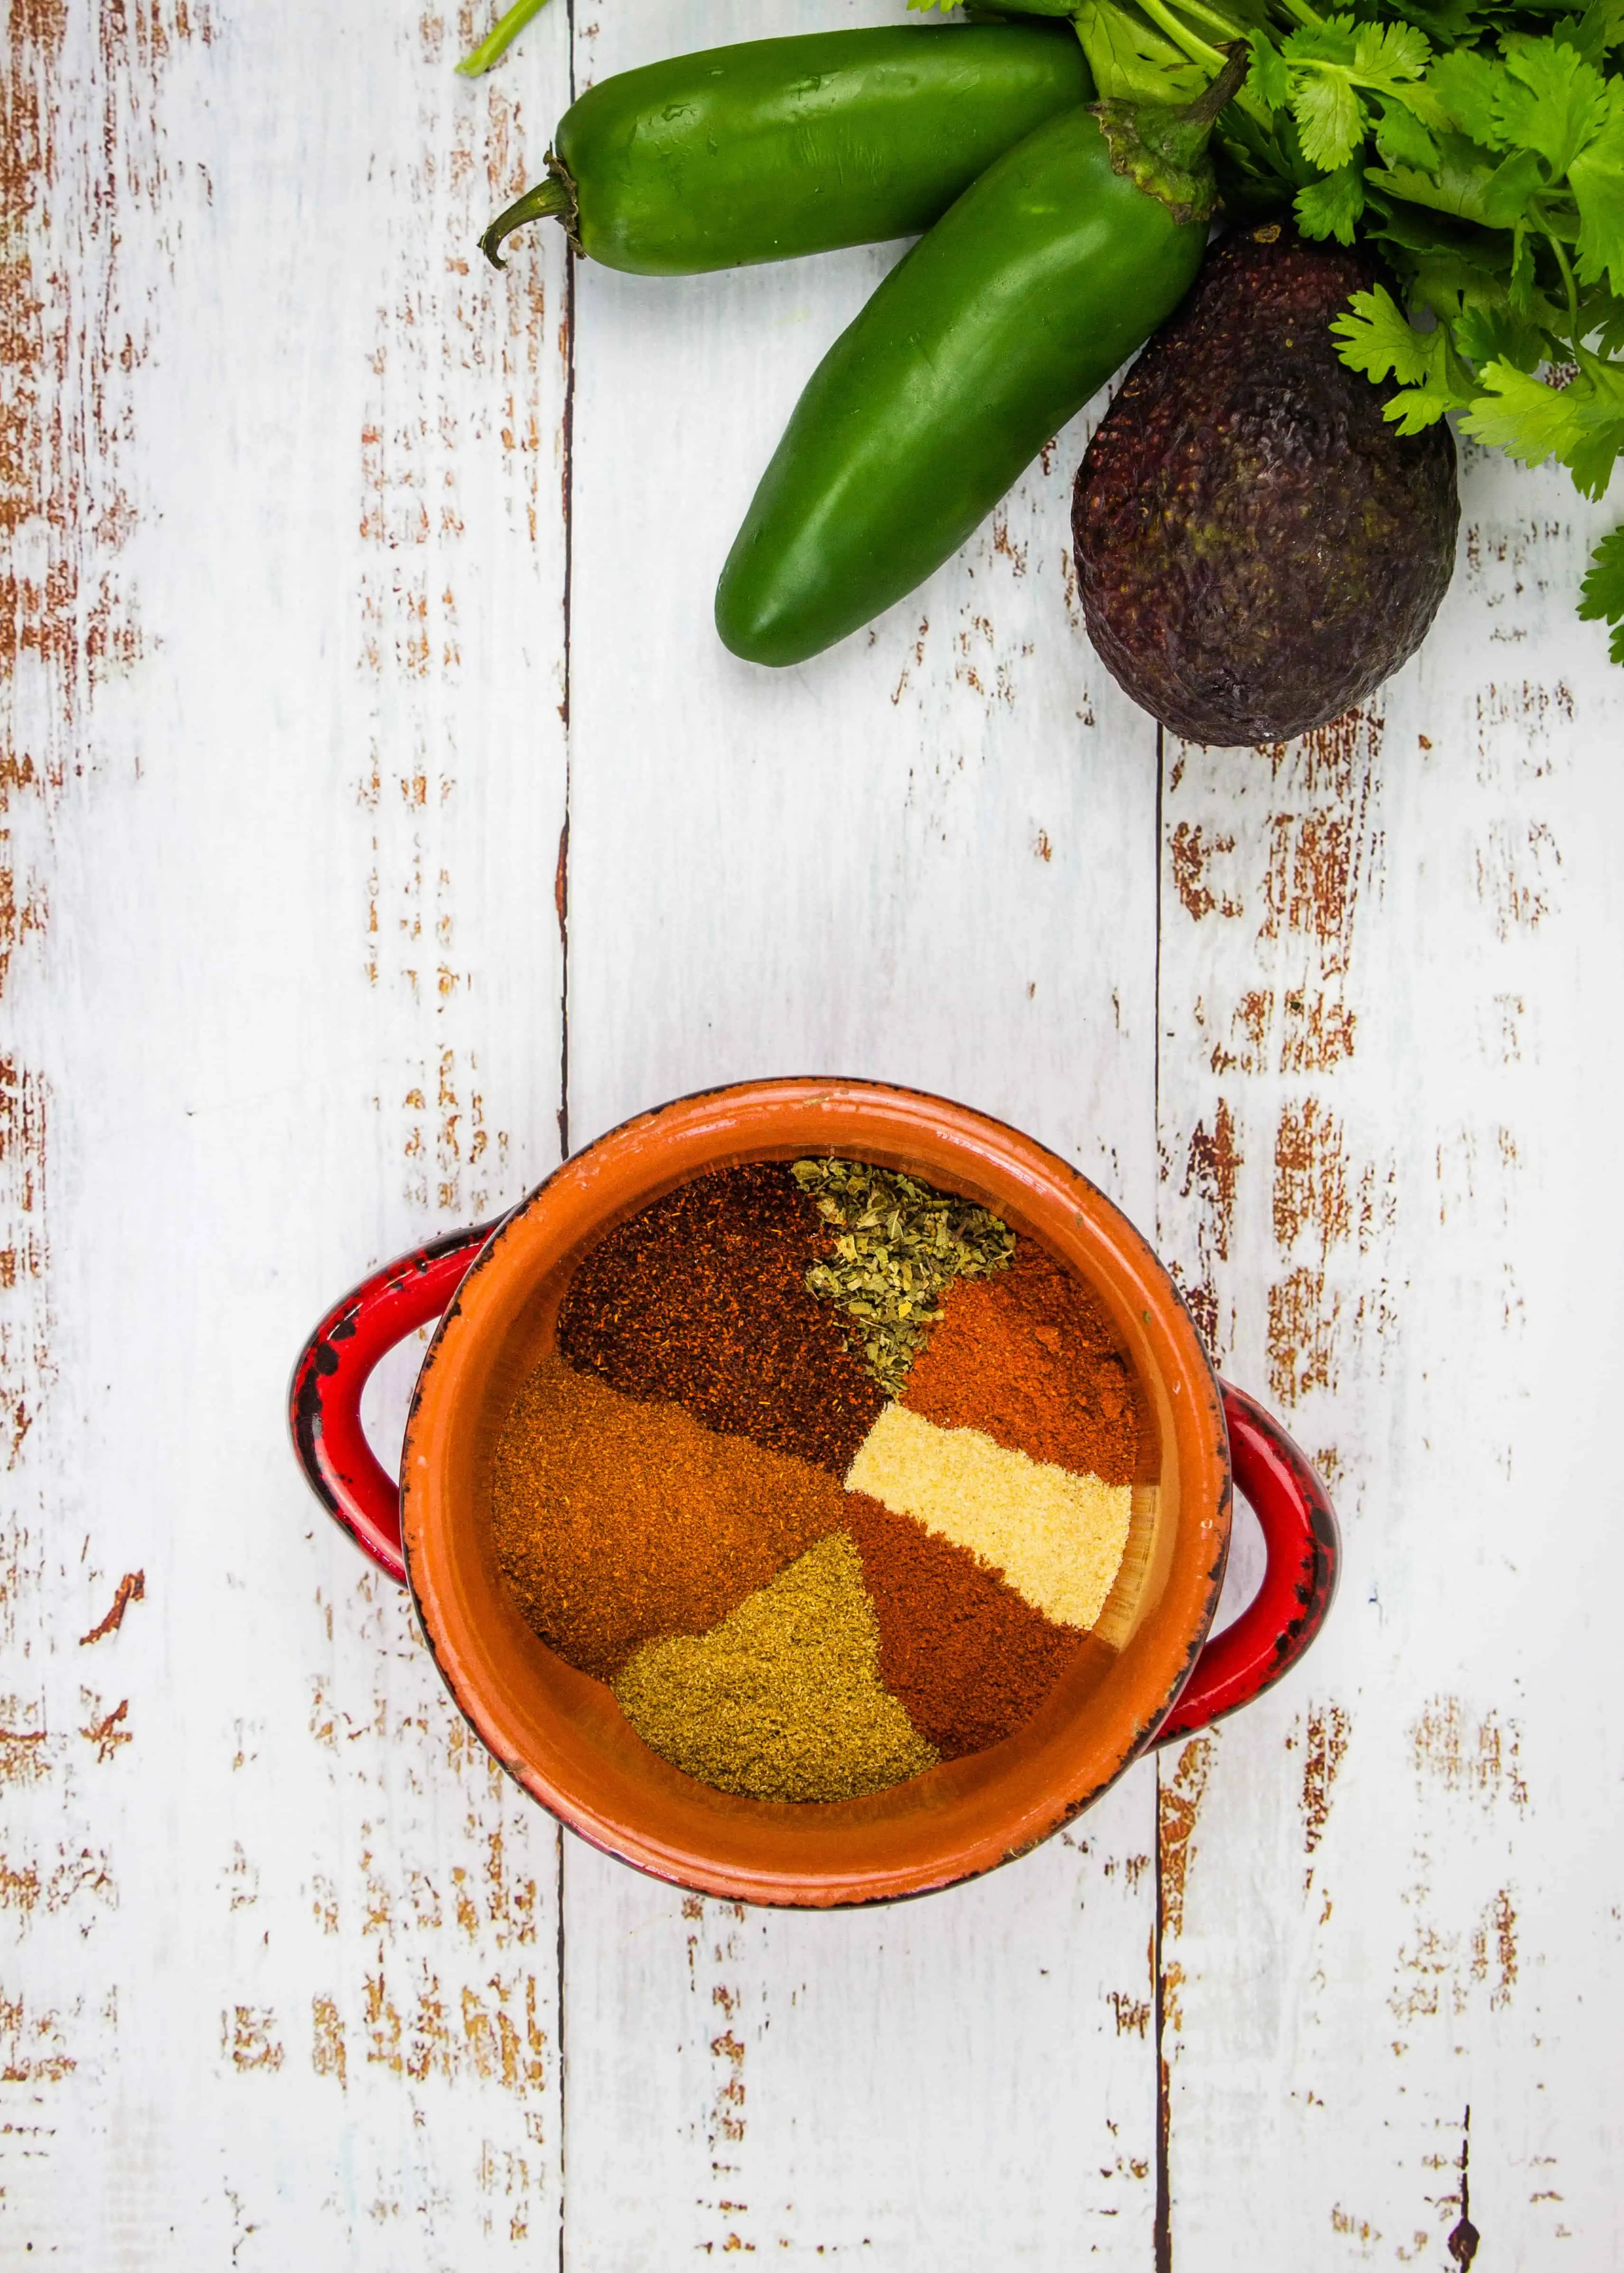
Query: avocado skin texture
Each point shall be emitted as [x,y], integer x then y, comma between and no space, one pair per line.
[1257,548]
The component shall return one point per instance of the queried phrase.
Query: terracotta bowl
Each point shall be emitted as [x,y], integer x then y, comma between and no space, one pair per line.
[563,1737]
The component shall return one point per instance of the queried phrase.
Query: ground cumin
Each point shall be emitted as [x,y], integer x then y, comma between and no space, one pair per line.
[1031,1360]
[701,1300]
[782,1699]
[615,1521]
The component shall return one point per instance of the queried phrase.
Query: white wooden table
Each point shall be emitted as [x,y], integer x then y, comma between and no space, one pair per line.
[381,814]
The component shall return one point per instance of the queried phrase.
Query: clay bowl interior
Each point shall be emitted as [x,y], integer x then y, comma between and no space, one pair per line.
[562,1736]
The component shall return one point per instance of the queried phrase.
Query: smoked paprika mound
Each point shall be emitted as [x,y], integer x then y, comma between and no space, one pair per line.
[966,1656]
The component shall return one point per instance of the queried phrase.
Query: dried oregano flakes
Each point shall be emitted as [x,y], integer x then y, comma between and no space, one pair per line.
[898,1245]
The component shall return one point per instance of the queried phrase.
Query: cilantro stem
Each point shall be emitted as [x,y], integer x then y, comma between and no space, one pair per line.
[1574,332]
[1225,26]
[1181,35]
[495,44]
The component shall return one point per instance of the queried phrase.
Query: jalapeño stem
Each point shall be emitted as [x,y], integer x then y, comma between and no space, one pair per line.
[551,196]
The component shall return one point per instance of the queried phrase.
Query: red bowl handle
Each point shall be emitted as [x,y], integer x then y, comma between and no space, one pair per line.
[324,1399]
[1303,1548]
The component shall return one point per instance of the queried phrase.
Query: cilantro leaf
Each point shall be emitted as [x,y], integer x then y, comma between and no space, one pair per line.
[1460,183]
[1375,336]
[1510,189]
[1445,281]
[1525,417]
[1331,207]
[1269,79]
[1330,40]
[1496,335]
[1384,54]
[1553,102]
[1329,119]
[1469,86]
[1597,180]
[1600,28]
[1414,408]
[1591,464]
[1577,425]
[1421,232]
[1402,139]
[1379,339]
[1601,596]
[1606,378]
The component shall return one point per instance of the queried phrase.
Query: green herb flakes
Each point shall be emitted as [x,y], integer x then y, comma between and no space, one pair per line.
[897,1247]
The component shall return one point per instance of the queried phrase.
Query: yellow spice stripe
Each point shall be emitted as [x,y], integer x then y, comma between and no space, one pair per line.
[1056,1537]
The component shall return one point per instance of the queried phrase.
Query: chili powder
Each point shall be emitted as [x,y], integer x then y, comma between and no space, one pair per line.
[700,1300]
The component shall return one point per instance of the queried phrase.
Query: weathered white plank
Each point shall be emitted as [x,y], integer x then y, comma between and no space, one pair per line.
[928,857]
[285,770]
[1389,1047]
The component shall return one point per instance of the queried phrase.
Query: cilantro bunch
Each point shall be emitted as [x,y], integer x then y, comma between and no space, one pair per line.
[1479,144]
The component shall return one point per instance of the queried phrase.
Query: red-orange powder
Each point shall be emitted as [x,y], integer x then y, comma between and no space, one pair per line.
[966,1656]
[617,1521]
[1029,1358]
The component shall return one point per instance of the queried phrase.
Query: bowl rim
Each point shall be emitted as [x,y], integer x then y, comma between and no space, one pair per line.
[734,1120]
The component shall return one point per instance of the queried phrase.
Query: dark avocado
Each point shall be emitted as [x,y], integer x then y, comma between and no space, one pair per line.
[1257,547]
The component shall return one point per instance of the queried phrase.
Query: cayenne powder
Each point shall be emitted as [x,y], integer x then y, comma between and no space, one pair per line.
[1031,1360]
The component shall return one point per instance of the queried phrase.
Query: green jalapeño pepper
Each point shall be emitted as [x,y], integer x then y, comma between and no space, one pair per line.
[988,335]
[778,148]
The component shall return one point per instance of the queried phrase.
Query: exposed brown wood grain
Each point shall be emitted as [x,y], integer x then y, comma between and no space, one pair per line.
[105,1732]
[1325,1744]
[131,1589]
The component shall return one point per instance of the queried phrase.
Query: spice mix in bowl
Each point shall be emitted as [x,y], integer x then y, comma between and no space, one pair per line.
[815,1491]
[830,1476]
